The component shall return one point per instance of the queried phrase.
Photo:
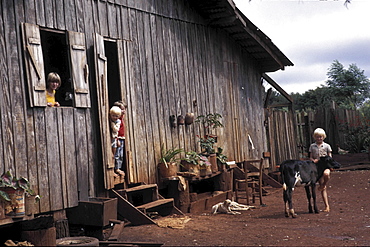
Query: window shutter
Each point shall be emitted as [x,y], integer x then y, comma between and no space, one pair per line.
[103,108]
[34,62]
[80,69]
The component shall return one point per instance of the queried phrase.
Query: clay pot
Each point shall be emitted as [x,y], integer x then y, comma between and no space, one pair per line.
[180,120]
[167,171]
[212,158]
[189,118]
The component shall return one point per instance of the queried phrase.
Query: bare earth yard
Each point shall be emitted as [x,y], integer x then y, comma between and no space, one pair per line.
[347,224]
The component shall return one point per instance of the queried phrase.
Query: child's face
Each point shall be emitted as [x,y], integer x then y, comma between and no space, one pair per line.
[319,138]
[53,85]
[123,110]
[114,117]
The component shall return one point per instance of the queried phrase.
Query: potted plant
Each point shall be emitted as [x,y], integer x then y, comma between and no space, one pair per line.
[168,162]
[191,162]
[204,166]
[221,159]
[210,121]
[206,144]
[12,193]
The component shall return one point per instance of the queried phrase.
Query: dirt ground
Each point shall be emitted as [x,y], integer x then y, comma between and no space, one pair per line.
[347,224]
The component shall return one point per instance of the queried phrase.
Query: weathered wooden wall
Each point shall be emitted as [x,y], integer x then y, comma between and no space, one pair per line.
[174,63]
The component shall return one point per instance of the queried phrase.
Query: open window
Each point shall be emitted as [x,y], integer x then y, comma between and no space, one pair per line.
[62,52]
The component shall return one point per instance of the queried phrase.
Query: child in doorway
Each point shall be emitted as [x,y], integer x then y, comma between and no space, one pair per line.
[53,82]
[115,124]
[120,152]
[321,149]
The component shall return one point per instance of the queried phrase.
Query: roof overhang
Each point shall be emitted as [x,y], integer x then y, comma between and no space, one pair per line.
[223,14]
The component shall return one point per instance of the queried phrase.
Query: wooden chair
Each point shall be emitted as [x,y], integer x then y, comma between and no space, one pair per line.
[251,185]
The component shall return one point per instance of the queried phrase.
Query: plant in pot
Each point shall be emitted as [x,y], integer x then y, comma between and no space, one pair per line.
[206,144]
[221,159]
[190,162]
[204,166]
[210,121]
[12,193]
[168,162]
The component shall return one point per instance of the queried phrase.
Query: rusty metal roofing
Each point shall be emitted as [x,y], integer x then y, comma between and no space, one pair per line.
[223,14]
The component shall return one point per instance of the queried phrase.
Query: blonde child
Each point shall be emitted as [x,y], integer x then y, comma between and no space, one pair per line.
[115,124]
[120,152]
[321,149]
[53,82]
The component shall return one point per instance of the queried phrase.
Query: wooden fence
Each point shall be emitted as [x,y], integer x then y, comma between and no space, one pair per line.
[290,134]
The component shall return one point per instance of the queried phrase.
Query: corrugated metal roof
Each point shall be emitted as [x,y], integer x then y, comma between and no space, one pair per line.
[223,14]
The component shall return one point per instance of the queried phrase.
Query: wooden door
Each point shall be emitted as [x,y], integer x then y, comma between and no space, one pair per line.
[103,111]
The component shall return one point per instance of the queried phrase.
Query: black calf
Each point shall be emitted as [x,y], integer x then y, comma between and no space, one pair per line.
[303,172]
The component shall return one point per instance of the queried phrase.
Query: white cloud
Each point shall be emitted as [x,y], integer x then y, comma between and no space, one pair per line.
[312,34]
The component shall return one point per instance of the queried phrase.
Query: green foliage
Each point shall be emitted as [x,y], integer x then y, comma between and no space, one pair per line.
[220,156]
[210,121]
[168,156]
[350,87]
[192,157]
[8,181]
[206,144]
[357,134]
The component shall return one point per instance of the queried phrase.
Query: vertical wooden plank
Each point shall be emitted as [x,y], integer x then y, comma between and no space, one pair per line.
[103,20]
[40,13]
[49,13]
[53,158]
[42,162]
[80,10]
[5,103]
[69,167]
[151,109]
[70,15]
[81,154]
[92,153]
[142,93]
[59,15]
[112,20]
[125,32]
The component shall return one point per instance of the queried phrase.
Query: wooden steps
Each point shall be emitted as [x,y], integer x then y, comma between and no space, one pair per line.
[137,203]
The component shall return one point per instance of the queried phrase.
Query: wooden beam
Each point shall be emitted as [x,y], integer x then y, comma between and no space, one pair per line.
[277,87]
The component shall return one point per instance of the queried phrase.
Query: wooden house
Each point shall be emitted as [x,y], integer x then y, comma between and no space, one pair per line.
[162,57]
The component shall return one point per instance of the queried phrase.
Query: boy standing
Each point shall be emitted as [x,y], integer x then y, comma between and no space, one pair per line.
[321,149]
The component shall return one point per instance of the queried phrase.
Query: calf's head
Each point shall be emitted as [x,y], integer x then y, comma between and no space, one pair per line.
[329,162]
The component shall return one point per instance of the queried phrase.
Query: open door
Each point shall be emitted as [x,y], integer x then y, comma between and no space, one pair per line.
[103,111]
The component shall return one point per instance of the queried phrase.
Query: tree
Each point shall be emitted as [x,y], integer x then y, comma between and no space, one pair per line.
[350,87]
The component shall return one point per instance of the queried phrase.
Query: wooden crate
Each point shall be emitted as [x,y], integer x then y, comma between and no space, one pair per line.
[95,212]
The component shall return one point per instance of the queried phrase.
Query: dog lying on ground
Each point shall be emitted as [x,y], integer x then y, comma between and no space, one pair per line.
[229,207]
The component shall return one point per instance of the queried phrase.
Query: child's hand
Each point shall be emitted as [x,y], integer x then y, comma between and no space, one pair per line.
[56,104]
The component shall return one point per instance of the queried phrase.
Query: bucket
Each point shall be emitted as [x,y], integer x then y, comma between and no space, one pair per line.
[16,205]
[167,171]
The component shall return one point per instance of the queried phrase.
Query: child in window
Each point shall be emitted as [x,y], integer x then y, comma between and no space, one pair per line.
[120,152]
[52,84]
[321,149]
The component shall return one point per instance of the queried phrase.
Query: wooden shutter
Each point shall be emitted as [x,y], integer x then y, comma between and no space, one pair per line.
[103,108]
[80,69]
[34,62]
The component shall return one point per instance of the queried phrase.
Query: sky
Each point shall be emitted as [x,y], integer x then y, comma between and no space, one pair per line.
[312,34]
